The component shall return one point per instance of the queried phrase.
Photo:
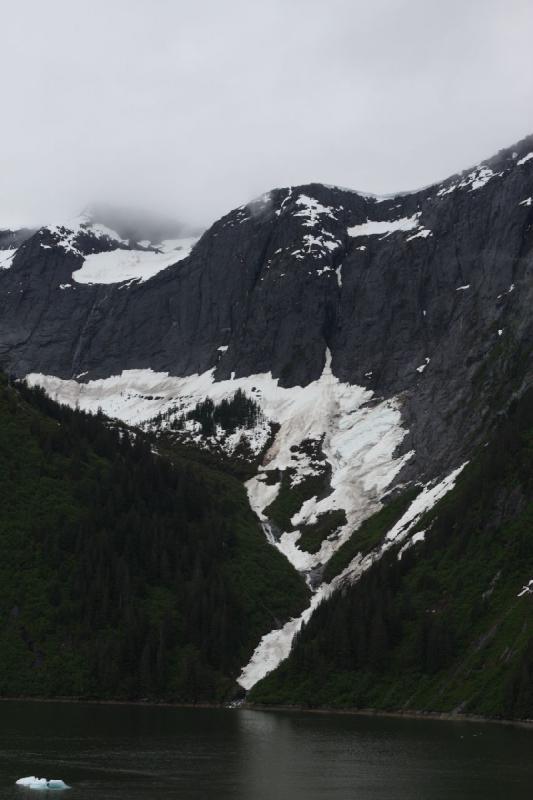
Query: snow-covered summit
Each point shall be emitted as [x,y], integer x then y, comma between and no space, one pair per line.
[108,257]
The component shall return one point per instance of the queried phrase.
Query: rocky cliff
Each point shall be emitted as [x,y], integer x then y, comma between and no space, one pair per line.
[368,343]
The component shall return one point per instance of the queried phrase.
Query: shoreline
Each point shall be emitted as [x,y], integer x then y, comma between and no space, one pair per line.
[437,716]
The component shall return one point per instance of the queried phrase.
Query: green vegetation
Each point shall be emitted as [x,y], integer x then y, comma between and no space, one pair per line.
[168,432]
[369,534]
[291,496]
[123,575]
[313,535]
[442,629]
[239,411]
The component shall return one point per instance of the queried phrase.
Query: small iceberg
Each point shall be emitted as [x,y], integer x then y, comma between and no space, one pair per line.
[32,782]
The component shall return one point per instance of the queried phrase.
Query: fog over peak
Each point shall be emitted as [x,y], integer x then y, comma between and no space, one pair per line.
[192,109]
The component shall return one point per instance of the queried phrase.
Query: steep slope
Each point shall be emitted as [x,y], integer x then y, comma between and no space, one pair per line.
[417,294]
[122,575]
[10,241]
[346,350]
[443,622]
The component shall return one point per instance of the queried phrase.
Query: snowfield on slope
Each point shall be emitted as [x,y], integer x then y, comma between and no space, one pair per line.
[384,228]
[359,439]
[6,258]
[116,266]
[359,443]
[275,646]
[125,262]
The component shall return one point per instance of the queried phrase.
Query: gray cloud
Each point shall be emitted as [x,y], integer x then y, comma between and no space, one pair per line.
[193,108]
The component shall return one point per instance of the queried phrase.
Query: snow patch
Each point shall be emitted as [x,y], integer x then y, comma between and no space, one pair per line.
[385,227]
[478,178]
[66,235]
[527,589]
[116,266]
[359,440]
[6,258]
[475,179]
[321,242]
[423,233]
[415,538]
[312,210]
[524,160]
[275,646]
[423,502]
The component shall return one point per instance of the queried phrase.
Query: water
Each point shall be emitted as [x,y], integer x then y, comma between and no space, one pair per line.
[140,753]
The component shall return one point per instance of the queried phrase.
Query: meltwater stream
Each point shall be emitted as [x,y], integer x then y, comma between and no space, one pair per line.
[114,752]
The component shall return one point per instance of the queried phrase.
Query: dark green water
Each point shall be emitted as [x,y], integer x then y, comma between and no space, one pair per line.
[134,753]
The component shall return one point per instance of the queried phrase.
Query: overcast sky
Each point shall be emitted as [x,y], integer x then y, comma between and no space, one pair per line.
[192,107]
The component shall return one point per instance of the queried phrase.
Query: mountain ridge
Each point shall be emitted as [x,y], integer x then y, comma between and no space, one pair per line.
[376,343]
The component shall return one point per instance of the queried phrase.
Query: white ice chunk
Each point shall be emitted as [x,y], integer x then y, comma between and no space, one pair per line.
[57,784]
[42,784]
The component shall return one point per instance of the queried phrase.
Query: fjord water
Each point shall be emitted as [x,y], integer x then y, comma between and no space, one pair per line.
[114,752]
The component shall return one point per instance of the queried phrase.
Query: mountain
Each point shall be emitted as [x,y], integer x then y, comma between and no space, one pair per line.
[10,241]
[348,356]
[444,621]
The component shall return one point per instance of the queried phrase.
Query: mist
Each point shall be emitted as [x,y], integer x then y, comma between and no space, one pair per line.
[190,109]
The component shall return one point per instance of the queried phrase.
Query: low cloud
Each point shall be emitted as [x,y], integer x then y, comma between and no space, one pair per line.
[192,109]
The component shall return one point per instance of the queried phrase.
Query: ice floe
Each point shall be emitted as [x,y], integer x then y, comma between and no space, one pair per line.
[43,784]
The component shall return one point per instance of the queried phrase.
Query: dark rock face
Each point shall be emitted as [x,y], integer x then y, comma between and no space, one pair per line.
[435,305]
[14,238]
